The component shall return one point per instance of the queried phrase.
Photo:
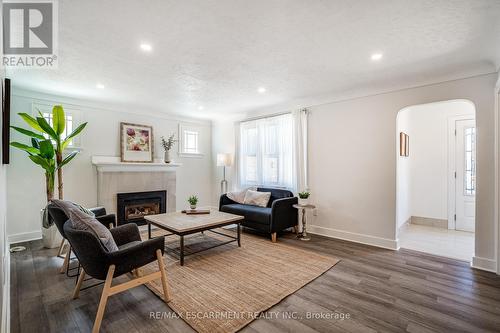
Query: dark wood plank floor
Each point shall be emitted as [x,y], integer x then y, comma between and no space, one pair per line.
[373,289]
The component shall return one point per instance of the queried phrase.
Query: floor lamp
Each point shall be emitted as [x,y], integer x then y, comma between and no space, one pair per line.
[223,160]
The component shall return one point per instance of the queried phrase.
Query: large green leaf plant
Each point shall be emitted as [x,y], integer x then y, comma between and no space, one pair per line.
[48,145]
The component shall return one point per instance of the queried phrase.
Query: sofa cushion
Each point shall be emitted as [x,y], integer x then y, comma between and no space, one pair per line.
[256,198]
[252,213]
[276,193]
[239,196]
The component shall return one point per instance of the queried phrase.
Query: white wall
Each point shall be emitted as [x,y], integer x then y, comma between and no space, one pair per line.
[497,167]
[25,184]
[4,246]
[352,162]
[427,166]
[4,253]
[223,141]
[403,185]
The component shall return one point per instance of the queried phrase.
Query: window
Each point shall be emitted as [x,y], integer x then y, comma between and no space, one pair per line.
[67,129]
[470,161]
[189,144]
[266,152]
[73,119]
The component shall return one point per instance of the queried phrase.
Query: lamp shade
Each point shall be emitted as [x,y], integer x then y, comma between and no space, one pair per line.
[224,159]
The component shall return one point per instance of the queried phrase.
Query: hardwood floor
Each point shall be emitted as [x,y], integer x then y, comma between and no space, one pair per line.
[379,290]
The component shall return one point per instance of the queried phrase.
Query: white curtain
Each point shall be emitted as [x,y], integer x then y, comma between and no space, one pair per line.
[266,152]
[236,184]
[300,150]
[272,152]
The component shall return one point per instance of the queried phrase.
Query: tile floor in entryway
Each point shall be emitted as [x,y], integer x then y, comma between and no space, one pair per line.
[438,241]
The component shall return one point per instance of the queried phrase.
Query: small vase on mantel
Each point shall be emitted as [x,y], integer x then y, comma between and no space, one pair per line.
[167,156]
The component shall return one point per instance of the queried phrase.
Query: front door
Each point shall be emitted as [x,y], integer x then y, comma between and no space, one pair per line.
[465,177]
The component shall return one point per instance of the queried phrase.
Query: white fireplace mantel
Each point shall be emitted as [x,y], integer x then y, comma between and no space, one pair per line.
[114,164]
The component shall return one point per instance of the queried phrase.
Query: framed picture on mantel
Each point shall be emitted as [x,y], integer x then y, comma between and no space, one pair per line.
[136,143]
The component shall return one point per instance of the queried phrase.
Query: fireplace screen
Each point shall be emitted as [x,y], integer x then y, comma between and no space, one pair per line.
[133,207]
[134,212]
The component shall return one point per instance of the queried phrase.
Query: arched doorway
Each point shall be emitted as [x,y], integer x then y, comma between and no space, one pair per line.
[436,172]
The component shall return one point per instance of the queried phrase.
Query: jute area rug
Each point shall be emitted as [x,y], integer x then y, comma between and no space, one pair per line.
[225,288]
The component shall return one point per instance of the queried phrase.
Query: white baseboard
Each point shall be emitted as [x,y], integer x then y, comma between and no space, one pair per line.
[25,237]
[484,264]
[385,243]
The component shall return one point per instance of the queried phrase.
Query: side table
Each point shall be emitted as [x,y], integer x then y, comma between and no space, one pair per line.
[303,208]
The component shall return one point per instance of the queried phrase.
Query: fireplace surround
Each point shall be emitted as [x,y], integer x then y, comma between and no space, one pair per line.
[133,206]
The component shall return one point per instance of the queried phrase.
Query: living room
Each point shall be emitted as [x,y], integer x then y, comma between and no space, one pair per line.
[258,147]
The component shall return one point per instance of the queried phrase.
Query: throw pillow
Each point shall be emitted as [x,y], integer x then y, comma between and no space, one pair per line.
[239,196]
[256,198]
[82,221]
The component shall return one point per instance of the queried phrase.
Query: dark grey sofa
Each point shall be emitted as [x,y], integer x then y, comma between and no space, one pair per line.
[277,216]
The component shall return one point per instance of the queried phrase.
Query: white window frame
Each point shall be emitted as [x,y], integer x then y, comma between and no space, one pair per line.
[76,115]
[183,129]
[260,156]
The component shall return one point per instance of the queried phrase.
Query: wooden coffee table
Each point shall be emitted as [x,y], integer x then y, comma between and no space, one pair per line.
[181,225]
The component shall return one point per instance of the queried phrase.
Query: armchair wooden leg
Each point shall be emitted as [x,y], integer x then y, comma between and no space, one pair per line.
[108,290]
[296,229]
[161,266]
[76,292]
[65,264]
[104,299]
[61,247]
[273,237]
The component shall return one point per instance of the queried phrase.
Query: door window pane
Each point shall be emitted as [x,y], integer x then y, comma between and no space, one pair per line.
[470,161]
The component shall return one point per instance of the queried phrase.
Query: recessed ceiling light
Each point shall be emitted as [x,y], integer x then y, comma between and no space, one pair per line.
[100,86]
[377,56]
[146,47]
[261,90]
[200,107]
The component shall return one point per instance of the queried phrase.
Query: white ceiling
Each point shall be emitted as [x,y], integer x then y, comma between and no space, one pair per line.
[217,53]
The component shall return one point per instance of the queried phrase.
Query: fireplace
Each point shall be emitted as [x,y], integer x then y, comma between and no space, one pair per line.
[132,207]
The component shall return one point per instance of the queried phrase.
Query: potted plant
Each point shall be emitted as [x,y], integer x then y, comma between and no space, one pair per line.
[167,145]
[193,200]
[304,197]
[46,150]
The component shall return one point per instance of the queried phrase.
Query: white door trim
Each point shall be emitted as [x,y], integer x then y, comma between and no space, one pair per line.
[451,167]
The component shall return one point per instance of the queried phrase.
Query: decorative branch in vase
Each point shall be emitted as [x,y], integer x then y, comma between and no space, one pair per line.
[167,146]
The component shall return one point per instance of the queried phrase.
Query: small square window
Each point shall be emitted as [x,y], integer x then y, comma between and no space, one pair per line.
[190,142]
[73,119]
[68,128]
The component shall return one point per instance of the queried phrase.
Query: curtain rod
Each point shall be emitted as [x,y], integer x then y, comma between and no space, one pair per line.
[268,116]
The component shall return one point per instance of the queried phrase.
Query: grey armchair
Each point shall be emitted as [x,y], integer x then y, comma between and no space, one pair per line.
[59,218]
[100,264]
